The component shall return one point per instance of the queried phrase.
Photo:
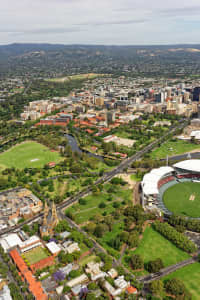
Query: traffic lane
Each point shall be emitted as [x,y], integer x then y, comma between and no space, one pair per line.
[183,156]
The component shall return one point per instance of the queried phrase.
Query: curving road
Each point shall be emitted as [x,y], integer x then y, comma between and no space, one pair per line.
[167,270]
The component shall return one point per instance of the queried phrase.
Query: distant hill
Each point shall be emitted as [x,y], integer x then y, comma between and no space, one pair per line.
[54,59]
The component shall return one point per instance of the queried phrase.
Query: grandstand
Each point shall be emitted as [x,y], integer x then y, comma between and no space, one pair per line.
[155,183]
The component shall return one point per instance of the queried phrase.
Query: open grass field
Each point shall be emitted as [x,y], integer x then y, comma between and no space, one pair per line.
[28,155]
[83,213]
[183,199]
[35,255]
[173,148]
[153,246]
[76,77]
[190,275]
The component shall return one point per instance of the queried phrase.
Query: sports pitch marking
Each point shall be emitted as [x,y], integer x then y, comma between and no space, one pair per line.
[192,197]
[35,159]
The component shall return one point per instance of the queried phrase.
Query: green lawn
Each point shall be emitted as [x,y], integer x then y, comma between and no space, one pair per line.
[28,154]
[190,275]
[35,255]
[134,177]
[87,259]
[153,246]
[83,213]
[173,148]
[76,77]
[183,199]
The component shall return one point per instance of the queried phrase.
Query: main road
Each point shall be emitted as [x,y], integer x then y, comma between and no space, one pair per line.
[106,177]
[168,270]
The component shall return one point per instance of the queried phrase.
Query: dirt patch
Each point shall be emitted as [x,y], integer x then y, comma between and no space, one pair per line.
[192,197]
[127,178]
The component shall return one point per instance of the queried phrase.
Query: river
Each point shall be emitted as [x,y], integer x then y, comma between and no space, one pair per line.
[74,145]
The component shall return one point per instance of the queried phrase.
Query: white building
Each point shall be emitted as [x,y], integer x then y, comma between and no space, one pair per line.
[78,280]
[94,270]
[53,248]
[5,293]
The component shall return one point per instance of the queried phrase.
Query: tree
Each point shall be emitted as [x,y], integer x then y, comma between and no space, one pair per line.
[100,230]
[102,205]
[155,265]
[90,227]
[179,239]
[91,296]
[175,287]
[124,236]
[156,287]
[115,243]
[109,220]
[133,239]
[92,286]
[82,201]
[137,262]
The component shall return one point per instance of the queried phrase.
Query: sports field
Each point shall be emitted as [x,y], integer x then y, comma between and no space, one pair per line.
[76,77]
[173,148]
[35,255]
[183,199]
[190,275]
[153,245]
[28,155]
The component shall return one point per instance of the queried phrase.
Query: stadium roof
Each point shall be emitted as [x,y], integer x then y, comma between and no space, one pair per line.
[150,180]
[192,165]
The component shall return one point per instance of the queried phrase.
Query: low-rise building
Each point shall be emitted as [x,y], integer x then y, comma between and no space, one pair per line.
[112,273]
[5,293]
[94,270]
[78,280]
[53,248]
[111,290]
[70,247]
[121,283]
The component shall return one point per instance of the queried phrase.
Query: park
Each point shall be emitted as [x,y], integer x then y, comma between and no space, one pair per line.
[173,147]
[28,155]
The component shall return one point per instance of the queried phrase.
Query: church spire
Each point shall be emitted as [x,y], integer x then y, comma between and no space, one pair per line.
[46,211]
[54,214]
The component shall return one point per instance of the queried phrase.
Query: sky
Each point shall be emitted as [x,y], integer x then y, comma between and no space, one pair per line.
[116,22]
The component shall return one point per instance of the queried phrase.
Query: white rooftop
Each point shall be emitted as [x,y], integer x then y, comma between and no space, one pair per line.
[150,180]
[53,247]
[192,165]
[9,241]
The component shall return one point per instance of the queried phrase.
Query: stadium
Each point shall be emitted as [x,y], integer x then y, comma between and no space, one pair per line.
[173,190]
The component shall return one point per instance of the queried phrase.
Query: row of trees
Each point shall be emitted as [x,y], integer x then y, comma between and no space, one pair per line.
[179,239]
[174,287]
[182,223]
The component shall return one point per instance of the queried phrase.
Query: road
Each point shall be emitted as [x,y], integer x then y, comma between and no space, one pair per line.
[106,177]
[74,225]
[185,156]
[167,270]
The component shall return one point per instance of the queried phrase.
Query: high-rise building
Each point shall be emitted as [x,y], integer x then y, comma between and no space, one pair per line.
[99,101]
[196,94]
[110,117]
[186,97]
